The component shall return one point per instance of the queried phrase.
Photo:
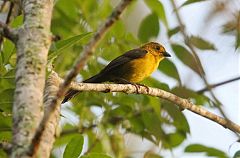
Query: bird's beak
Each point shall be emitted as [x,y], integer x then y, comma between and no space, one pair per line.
[166,54]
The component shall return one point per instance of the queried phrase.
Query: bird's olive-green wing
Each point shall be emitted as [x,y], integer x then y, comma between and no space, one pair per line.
[123,59]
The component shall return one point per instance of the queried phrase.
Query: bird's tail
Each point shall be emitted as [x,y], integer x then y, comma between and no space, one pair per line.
[95,79]
[70,94]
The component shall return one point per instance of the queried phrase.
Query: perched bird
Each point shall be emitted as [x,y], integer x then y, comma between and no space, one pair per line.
[131,67]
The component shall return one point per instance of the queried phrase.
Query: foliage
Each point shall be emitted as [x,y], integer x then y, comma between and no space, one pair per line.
[106,118]
[74,147]
[146,32]
[208,150]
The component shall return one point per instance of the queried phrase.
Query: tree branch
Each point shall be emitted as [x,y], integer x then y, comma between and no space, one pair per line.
[9,12]
[78,130]
[7,20]
[219,84]
[49,135]
[2,5]
[33,43]
[7,32]
[81,61]
[155,92]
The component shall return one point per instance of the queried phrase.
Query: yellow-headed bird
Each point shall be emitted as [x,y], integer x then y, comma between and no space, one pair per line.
[131,67]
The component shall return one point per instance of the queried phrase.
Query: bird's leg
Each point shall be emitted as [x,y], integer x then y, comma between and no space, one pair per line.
[123,81]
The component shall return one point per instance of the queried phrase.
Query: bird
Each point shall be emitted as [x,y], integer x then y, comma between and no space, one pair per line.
[129,68]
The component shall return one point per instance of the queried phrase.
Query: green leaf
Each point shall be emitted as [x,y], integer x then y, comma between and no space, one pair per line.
[64,139]
[7,80]
[156,83]
[3,154]
[18,21]
[153,124]
[120,111]
[5,126]
[137,125]
[8,50]
[74,147]
[126,100]
[173,31]
[7,87]
[201,43]
[3,69]
[190,2]
[237,154]
[157,7]
[229,27]
[96,155]
[184,92]
[149,28]
[6,100]
[150,154]
[187,58]
[193,148]
[59,46]
[179,120]
[168,68]
[97,146]
[175,139]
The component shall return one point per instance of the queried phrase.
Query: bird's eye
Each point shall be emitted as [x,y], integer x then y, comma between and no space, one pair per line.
[157,48]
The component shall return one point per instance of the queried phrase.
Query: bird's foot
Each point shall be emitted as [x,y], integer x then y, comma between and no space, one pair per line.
[147,88]
[137,86]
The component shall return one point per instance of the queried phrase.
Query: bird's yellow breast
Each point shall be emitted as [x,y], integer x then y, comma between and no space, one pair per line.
[140,68]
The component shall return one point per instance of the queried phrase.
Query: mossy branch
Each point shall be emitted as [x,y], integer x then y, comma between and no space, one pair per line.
[32,44]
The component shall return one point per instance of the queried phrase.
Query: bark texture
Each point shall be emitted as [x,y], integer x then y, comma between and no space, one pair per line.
[33,42]
[49,135]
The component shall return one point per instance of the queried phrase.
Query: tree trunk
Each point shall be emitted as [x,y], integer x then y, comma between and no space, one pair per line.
[33,42]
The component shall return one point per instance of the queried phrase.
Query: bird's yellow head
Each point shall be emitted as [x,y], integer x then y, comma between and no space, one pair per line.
[156,49]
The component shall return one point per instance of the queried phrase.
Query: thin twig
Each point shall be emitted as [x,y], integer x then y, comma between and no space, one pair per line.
[219,84]
[81,61]
[49,135]
[7,21]
[9,13]
[7,32]
[3,5]
[92,146]
[78,130]
[181,102]
[1,37]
